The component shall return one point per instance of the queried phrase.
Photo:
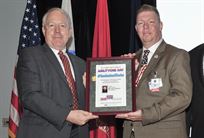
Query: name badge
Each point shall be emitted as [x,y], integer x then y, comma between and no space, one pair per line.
[155,84]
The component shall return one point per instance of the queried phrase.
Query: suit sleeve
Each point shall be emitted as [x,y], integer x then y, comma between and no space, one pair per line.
[179,93]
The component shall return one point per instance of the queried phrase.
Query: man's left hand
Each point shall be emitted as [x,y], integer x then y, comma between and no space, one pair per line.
[133,116]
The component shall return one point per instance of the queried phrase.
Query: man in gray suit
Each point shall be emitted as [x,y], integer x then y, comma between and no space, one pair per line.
[163,84]
[43,87]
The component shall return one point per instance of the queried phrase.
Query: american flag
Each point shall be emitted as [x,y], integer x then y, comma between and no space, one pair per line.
[29,36]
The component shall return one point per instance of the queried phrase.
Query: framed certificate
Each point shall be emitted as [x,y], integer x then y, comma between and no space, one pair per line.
[110,85]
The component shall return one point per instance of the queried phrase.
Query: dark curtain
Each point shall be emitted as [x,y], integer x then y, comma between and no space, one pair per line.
[121,17]
[135,43]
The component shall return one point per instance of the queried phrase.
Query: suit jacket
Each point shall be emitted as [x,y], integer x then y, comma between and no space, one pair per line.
[45,95]
[195,113]
[163,111]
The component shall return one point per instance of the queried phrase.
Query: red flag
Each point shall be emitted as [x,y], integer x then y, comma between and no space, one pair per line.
[101,39]
[29,36]
[104,127]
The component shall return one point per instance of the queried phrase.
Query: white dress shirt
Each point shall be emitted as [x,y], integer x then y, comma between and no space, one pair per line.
[60,61]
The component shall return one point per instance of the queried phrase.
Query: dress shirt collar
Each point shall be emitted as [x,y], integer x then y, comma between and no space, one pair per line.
[152,49]
[57,51]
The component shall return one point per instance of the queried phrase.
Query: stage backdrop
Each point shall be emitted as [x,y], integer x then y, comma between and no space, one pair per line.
[121,17]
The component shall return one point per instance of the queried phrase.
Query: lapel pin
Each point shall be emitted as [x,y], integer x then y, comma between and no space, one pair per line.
[156,56]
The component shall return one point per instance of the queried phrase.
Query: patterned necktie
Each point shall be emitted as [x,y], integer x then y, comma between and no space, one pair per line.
[70,79]
[143,67]
[145,57]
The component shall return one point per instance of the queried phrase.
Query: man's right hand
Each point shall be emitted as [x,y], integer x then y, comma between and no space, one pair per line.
[80,117]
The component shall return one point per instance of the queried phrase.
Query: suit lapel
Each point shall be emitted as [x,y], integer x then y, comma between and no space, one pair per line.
[53,60]
[79,84]
[154,60]
[75,68]
[139,57]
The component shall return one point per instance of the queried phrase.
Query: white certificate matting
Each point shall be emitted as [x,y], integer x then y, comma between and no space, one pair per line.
[110,85]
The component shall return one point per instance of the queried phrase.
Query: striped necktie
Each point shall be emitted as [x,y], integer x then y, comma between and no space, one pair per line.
[143,67]
[70,79]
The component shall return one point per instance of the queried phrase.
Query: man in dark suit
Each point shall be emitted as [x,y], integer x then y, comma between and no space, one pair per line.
[195,113]
[50,109]
[163,83]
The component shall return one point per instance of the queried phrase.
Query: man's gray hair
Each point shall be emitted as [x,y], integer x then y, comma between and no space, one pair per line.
[44,19]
